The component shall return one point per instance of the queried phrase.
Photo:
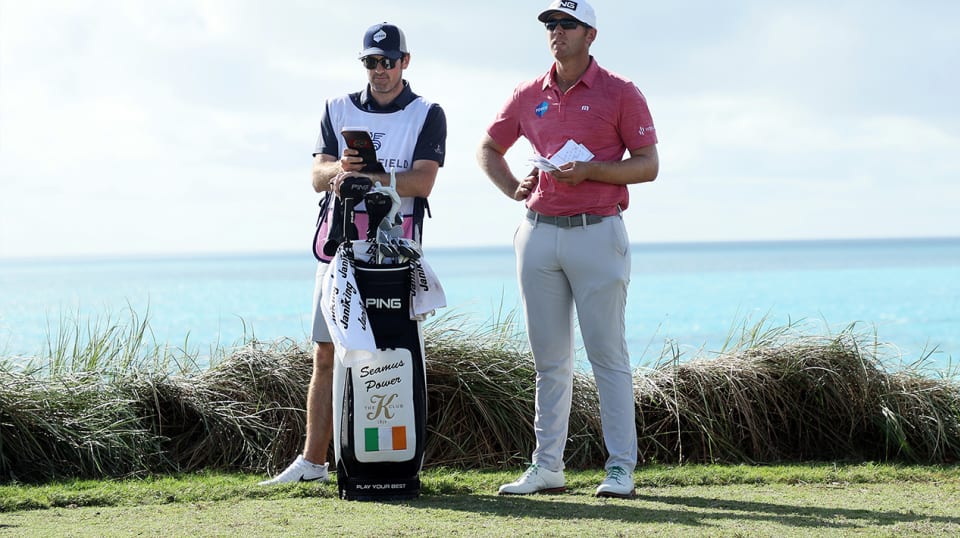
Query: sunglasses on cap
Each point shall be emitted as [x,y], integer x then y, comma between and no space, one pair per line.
[566,24]
[371,63]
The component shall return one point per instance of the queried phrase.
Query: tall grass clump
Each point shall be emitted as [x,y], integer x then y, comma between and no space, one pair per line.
[74,425]
[780,396]
[244,412]
[71,415]
[108,401]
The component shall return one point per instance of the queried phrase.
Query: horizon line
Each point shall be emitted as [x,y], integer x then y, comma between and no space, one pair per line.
[213,254]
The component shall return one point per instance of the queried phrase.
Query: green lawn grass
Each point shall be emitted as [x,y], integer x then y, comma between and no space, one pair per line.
[692,500]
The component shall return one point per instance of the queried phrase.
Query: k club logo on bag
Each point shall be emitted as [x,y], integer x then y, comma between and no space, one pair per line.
[385,424]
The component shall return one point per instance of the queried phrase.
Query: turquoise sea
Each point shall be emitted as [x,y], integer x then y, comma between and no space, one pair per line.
[691,296]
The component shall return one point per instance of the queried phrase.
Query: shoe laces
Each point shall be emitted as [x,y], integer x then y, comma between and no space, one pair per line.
[616,473]
[532,470]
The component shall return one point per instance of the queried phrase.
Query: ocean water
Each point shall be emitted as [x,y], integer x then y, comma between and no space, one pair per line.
[692,297]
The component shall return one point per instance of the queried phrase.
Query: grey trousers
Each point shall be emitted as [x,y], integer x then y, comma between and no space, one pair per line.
[587,267]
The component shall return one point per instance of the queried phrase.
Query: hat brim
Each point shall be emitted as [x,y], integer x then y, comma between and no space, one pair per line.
[393,54]
[546,15]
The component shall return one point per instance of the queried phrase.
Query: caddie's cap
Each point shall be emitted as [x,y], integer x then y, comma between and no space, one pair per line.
[578,9]
[384,40]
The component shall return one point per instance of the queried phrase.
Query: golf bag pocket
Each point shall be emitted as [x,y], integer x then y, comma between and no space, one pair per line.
[384,426]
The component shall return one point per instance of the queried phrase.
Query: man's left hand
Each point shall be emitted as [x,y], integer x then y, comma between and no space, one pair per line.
[572,173]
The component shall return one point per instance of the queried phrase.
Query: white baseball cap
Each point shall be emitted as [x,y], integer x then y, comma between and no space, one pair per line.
[578,9]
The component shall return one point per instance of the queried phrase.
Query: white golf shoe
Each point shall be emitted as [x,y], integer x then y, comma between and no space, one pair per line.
[300,470]
[618,483]
[535,479]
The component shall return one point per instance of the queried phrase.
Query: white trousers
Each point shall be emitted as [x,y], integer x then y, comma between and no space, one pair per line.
[587,267]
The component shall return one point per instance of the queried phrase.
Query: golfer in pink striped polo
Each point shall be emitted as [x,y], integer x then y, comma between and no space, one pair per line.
[572,246]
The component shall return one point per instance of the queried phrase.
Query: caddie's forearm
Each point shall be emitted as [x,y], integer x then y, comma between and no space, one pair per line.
[325,168]
[417,181]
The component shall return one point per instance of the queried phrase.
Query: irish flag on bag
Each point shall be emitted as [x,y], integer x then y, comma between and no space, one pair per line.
[385,438]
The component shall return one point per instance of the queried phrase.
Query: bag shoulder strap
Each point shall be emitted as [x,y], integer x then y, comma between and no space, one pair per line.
[328,198]
[421,207]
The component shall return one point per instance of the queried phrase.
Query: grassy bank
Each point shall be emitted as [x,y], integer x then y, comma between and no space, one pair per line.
[688,500]
[113,406]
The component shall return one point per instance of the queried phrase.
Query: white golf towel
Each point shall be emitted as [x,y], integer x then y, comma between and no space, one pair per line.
[426,293]
[346,316]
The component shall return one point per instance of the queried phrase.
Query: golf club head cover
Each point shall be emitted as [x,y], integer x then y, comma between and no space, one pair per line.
[378,205]
[353,188]
[352,191]
[335,234]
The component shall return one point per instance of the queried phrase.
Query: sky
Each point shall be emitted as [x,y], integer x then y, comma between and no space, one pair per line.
[130,127]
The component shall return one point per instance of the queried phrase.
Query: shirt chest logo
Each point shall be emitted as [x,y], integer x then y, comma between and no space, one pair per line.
[542,109]
[378,140]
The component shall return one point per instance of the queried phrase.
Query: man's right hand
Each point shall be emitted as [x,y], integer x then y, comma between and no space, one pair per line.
[525,187]
[351,161]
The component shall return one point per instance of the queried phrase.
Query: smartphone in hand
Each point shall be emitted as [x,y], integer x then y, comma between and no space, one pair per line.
[358,138]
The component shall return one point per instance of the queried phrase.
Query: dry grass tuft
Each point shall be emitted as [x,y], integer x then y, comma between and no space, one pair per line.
[808,399]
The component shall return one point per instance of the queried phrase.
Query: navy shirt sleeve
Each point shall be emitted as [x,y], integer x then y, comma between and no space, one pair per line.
[327,142]
[432,142]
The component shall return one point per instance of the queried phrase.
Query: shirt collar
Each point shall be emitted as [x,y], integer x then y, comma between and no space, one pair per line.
[588,77]
[405,98]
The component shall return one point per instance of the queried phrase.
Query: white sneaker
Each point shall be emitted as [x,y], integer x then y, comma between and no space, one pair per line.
[618,484]
[300,470]
[536,479]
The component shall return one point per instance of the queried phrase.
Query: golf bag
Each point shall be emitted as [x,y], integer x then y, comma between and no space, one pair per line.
[376,291]
[375,294]
[380,406]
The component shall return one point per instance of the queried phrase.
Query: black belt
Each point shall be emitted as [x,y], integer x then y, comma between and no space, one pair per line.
[568,221]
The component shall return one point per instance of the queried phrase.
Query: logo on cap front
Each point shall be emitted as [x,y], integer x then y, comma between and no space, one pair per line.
[568,4]
[379,36]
